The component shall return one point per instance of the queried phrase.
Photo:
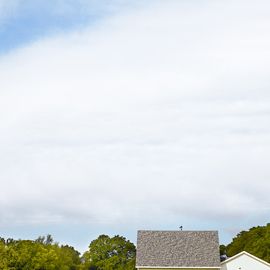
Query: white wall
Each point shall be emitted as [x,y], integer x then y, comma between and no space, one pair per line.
[244,262]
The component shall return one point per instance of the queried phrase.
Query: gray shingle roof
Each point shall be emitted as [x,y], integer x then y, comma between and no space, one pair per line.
[178,249]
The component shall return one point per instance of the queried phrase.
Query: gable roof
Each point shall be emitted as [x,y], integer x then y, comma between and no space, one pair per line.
[177,249]
[245,253]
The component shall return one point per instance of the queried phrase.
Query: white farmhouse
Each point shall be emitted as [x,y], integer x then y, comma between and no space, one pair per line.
[244,261]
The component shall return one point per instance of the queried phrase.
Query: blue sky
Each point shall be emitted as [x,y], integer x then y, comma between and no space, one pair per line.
[121,115]
[28,25]
[26,21]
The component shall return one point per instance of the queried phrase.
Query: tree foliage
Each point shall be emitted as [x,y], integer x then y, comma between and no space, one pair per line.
[107,253]
[256,241]
[40,254]
[104,253]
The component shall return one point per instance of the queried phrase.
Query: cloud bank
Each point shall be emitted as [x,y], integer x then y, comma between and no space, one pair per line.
[158,114]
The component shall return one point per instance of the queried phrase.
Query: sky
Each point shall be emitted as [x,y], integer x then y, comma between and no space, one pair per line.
[124,115]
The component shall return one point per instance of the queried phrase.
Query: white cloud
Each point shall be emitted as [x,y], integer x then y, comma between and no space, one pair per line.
[163,112]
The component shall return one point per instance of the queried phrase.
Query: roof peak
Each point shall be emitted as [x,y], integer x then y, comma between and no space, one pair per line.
[245,253]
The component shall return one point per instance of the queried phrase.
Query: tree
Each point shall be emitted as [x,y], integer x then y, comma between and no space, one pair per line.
[40,254]
[107,253]
[48,240]
[255,241]
[69,257]
[222,250]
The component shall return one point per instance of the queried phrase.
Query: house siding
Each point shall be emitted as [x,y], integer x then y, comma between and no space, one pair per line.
[244,262]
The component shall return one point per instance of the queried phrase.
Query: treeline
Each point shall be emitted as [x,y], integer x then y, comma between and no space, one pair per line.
[256,241]
[41,253]
[105,253]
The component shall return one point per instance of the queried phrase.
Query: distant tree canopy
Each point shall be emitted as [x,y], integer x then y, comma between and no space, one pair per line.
[107,253]
[256,241]
[39,254]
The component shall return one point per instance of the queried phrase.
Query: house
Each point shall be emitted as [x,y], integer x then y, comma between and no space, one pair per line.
[244,261]
[171,250]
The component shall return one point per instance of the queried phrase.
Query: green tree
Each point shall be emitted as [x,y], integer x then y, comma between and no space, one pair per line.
[3,255]
[222,249]
[41,254]
[106,253]
[256,241]
[69,258]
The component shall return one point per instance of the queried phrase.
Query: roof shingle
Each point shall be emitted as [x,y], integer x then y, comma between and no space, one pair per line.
[178,249]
